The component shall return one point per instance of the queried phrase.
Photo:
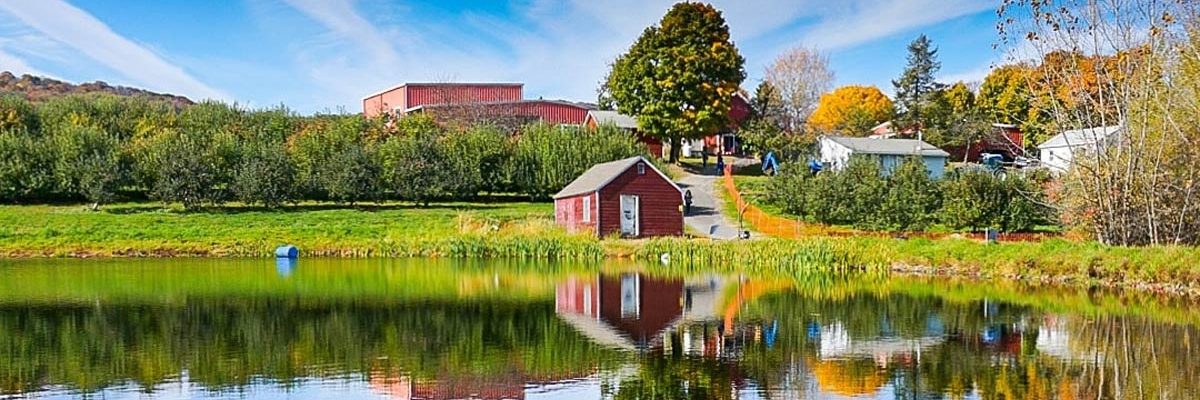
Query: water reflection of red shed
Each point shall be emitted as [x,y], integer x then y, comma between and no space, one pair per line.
[640,307]
[504,386]
[626,311]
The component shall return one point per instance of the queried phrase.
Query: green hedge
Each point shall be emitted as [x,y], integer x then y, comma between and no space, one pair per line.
[93,147]
[907,199]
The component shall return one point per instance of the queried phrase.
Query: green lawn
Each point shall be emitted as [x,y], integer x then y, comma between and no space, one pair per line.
[152,229]
[526,230]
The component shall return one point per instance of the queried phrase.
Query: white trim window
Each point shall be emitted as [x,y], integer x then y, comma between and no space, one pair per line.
[587,208]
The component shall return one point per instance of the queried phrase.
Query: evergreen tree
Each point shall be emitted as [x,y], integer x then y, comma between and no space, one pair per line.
[917,86]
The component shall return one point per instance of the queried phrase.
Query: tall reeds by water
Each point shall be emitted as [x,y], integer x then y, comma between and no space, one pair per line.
[764,256]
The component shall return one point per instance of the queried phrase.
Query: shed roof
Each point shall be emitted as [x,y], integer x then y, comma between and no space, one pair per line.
[612,117]
[600,175]
[1080,137]
[902,147]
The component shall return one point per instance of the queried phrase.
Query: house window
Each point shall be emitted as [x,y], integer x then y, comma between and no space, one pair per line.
[641,168]
[587,208]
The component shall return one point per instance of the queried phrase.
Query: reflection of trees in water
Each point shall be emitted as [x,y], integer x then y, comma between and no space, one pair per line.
[993,349]
[996,351]
[224,344]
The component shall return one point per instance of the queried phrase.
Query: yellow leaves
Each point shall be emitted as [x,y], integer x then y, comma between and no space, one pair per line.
[851,109]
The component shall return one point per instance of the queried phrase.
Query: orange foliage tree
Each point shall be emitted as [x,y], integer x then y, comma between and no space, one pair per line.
[852,110]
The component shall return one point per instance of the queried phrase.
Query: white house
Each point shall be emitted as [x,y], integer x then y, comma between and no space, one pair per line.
[1060,151]
[836,151]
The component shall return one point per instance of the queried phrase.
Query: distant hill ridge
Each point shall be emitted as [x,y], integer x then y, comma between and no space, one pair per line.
[36,88]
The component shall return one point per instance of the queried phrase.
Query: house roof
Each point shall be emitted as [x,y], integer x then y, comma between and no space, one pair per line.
[1080,137]
[600,175]
[888,146]
[612,117]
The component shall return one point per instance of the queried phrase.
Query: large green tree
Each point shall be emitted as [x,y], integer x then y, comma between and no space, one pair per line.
[679,77]
[917,85]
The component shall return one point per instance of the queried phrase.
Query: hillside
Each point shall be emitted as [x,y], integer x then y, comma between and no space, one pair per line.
[37,88]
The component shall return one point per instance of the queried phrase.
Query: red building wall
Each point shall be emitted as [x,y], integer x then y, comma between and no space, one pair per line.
[553,112]
[411,95]
[419,95]
[568,212]
[383,102]
[660,203]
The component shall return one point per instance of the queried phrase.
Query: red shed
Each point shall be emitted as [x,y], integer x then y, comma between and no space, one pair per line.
[629,197]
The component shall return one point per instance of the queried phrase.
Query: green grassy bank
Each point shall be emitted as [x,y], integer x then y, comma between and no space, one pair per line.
[525,230]
[389,230]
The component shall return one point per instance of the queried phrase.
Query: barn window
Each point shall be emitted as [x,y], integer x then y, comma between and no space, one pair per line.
[641,168]
[587,209]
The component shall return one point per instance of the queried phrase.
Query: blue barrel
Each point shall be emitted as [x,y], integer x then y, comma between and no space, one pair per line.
[287,251]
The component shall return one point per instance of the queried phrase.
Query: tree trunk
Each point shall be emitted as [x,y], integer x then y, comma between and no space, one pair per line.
[676,148]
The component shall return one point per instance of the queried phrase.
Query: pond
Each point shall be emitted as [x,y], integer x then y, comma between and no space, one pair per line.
[442,329]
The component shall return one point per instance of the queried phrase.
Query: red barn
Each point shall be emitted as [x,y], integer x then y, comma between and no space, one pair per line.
[556,112]
[499,104]
[401,99]
[629,197]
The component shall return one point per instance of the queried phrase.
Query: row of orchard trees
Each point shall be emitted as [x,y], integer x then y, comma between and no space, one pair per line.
[103,148]
[907,199]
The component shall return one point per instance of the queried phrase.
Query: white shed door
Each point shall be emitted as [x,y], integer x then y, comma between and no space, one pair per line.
[629,215]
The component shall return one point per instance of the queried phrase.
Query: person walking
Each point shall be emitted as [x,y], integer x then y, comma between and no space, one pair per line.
[720,164]
[687,202]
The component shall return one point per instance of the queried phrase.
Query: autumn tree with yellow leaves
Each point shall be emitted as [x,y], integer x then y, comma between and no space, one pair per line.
[852,110]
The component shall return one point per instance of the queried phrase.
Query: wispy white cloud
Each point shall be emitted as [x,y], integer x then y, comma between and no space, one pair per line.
[81,31]
[850,23]
[561,48]
[344,21]
[16,65]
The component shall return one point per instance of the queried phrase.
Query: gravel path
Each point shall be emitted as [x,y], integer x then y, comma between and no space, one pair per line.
[706,207]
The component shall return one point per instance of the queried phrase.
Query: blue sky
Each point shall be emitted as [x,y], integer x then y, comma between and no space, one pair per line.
[325,55]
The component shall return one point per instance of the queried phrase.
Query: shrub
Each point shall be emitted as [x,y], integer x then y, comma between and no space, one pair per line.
[475,161]
[265,176]
[333,160]
[863,193]
[87,163]
[26,166]
[912,198]
[17,114]
[413,167]
[546,157]
[353,175]
[973,199]
[191,169]
[976,199]
[909,199]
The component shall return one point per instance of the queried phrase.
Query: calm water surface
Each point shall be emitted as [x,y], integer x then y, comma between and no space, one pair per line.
[427,329]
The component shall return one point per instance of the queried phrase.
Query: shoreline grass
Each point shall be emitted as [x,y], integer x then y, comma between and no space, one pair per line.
[526,230]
